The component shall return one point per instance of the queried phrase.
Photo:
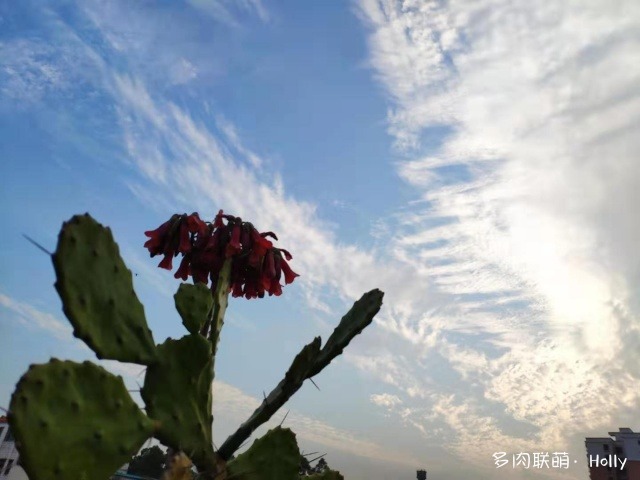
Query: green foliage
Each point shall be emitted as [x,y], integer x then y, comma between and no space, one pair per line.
[193,303]
[322,465]
[177,393]
[325,475]
[97,293]
[149,463]
[305,466]
[275,456]
[75,421]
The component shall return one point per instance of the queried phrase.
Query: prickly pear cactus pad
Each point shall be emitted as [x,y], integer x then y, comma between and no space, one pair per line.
[75,421]
[193,303]
[275,456]
[177,393]
[97,293]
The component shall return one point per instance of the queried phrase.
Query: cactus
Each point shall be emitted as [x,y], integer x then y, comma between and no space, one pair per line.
[356,320]
[220,302]
[97,293]
[275,456]
[177,393]
[75,421]
[309,362]
[193,303]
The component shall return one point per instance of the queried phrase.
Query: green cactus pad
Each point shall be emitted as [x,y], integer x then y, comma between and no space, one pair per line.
[97,293]
[352,324]
[177,393]
[75,421]
[193,303]
[326,475]
[303,362]
[308,363]
[275,456]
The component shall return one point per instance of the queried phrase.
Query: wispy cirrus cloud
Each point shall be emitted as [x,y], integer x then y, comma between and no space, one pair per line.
[228,12]
[233,403]
[31,317]
[525,212]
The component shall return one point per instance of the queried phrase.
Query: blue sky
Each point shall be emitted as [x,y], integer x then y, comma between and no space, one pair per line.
[474,160]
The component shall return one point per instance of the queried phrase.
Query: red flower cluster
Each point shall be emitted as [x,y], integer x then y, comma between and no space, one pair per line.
[256,267]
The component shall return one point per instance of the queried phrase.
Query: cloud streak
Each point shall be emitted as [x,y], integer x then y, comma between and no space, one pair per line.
[32,317]
[525,206]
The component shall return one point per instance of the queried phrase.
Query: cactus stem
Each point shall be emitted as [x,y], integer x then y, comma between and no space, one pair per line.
[308,363]
[220,302]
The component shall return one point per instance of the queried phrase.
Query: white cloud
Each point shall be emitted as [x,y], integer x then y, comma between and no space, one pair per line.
[232,402]
[31,69]
[529,200]
[31,317]
[227,11]
[230,132]
[385,400]
[196,170]
[183,71]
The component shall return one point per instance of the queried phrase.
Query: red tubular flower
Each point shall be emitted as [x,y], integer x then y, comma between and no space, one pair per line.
[275,288]
[260,244]
[254,259]
[185,242]
[233,246]
[265,281]
[158,237]
[250,290]
[184,270]
[245,237]
[217,223]
[167,261]
[278,264]
[256,265]
[269,264]
[237,290]
[200,274]
[287,255]
[196,225]
[289,275]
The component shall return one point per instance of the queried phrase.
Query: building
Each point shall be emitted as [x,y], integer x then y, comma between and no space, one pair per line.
[616,457]
[8,452]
